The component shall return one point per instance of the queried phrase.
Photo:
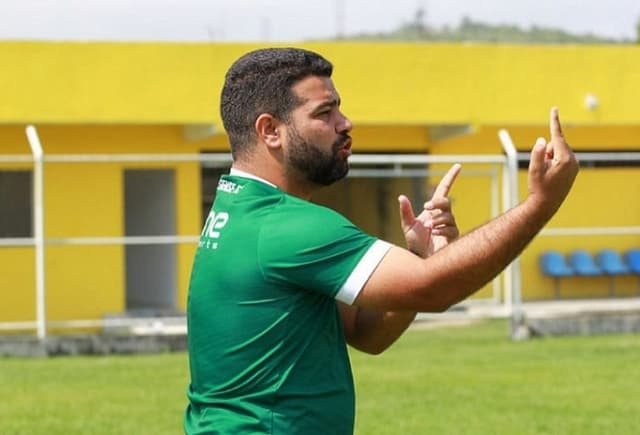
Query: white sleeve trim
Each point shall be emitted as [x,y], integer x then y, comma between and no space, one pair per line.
[359,276]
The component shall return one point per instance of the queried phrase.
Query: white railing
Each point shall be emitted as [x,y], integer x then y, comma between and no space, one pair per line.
[396,165]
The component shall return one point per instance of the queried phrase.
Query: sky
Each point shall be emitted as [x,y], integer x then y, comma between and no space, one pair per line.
[293,20]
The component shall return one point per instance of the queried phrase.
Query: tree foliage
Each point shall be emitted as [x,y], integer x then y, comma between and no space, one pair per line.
[475,31]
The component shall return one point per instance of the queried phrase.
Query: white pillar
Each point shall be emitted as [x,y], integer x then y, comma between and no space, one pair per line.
[512,273]
[38,229]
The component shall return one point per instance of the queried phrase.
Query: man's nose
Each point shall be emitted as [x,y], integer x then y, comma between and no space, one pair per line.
[345,125]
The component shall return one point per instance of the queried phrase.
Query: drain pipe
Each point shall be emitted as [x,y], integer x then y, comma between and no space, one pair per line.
[38,229]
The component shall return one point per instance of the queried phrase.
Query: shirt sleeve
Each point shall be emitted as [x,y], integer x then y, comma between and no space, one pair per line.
[313,248]
[359,276]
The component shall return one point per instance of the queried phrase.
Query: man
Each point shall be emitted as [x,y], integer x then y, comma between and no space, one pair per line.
[279,285]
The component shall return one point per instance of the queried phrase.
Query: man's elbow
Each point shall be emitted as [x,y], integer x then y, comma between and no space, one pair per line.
[437,305]
[373,348]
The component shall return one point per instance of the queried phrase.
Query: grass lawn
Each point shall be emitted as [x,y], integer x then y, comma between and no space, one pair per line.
[459,380]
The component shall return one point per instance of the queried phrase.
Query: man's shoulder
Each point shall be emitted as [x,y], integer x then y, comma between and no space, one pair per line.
[297,212]
[301,226]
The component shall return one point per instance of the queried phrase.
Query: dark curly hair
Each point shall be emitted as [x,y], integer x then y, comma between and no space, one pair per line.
[260,82]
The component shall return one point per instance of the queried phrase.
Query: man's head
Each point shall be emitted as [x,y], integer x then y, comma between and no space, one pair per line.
[261,82]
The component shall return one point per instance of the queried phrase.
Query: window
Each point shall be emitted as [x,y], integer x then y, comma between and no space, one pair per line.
[16,199]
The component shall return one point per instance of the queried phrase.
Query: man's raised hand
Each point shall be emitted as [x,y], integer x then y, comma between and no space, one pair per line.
[553,168]
[435,227]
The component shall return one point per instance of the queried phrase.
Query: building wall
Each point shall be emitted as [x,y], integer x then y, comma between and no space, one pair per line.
[380,83]
[87,200]
[100,98]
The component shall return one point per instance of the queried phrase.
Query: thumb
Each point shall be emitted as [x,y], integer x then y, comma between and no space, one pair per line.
[407,217]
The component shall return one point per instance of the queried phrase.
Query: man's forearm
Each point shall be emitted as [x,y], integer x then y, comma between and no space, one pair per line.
[402,282]
[374,331]
[458,270]
[482,254]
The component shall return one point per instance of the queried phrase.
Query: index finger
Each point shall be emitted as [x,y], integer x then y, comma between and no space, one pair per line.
[447,181]
[554,124]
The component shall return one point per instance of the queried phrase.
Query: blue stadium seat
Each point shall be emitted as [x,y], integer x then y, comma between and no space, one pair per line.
[583,263]
[633,261]
[612,264]
[554,265]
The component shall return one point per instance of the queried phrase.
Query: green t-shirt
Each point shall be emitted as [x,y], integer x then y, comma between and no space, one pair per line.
[266,347]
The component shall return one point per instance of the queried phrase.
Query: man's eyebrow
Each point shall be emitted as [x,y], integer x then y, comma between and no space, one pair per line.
[333,102]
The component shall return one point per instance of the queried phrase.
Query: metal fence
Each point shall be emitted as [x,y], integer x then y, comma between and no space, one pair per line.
[502,171]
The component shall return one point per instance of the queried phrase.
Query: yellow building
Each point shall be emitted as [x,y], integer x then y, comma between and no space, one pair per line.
[120,124]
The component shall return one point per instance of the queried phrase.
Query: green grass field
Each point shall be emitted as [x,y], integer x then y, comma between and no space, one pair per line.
[462,380]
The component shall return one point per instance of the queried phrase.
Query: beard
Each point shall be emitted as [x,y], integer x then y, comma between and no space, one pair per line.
[315,164]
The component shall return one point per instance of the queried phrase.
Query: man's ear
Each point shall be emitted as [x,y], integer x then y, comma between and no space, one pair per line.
[268,131]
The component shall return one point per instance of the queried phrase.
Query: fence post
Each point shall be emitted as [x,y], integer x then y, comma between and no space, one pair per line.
[38,229]
[512,273]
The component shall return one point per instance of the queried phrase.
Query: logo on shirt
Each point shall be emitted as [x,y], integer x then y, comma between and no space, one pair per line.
[212,227]
[229,186]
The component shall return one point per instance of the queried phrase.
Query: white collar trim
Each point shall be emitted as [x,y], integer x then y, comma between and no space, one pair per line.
[238,173]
